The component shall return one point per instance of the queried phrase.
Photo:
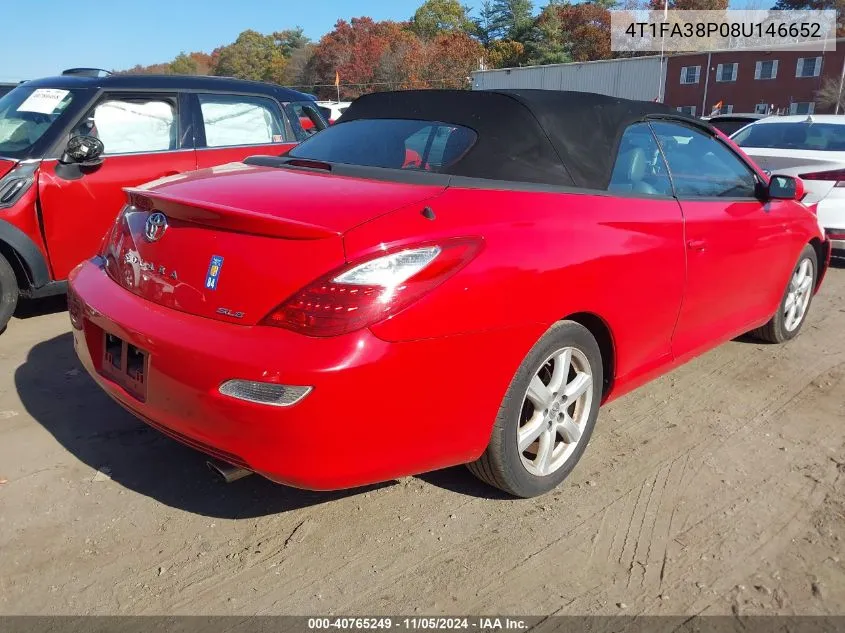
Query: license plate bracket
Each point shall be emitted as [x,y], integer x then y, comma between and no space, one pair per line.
[125,364]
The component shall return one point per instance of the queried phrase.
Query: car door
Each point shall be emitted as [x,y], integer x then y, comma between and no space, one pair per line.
[144,138]
[736,243]
[644,225]
[231,127]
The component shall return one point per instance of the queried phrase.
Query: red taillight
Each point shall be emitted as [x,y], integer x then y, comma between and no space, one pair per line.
[836,175]
[331,305]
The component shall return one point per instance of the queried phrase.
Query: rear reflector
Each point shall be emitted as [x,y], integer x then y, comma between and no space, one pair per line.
[264,392]
[836,175]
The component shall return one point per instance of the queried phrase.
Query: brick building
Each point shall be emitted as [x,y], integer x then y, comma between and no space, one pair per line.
[751,80]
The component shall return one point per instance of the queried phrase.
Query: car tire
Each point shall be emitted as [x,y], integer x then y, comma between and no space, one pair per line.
[785,324]
[570,406]
[8,292]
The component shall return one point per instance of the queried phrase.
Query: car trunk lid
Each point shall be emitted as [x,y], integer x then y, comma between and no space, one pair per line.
[799,163]
[233,248]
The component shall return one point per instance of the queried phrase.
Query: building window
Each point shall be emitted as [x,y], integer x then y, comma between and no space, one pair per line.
[808,67]
[690,74]
[690,110]
[761,108]
[766,70]
[802,107]
[726,72]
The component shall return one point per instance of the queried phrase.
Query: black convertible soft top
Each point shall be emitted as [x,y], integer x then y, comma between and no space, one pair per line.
[546,136]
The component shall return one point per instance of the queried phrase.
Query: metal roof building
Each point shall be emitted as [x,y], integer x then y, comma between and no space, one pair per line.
[641,78]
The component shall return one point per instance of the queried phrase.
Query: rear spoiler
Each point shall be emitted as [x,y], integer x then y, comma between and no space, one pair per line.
[227,218]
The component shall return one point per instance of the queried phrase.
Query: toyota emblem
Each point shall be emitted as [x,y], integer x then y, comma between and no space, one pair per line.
[155,227]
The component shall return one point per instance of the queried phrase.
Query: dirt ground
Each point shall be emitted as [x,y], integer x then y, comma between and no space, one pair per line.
[717,489]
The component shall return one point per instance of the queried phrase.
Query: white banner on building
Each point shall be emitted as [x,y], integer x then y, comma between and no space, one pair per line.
[703,31]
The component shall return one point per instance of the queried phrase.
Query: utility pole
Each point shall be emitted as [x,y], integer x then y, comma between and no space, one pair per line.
[706,84]
[661,73]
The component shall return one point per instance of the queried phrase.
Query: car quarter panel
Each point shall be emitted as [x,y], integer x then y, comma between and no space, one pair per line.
[546,255]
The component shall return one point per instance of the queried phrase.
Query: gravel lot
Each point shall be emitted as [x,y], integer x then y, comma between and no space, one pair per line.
[719,488]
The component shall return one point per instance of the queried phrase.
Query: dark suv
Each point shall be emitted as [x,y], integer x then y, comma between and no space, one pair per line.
[70,144]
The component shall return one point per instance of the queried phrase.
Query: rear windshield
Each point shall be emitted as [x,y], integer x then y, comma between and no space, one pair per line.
[26,114]
[390,143]
[810,136]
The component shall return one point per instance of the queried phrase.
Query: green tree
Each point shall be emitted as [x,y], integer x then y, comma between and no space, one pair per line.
[290,40]
[548,42]
[512,19]
[252,56]
[438,16]
[485,23]
[184,64]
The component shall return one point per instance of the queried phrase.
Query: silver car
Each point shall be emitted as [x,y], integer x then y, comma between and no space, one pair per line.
[811,147]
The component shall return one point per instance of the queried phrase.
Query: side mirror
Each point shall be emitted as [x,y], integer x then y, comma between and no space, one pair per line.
[86,151]
[785,188]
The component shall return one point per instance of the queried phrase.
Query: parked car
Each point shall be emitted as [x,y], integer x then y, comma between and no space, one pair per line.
[333,110]
[730,123]
[809,146]
[56,206]
[345,316]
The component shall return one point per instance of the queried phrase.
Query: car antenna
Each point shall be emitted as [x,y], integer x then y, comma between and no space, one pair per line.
[809,119]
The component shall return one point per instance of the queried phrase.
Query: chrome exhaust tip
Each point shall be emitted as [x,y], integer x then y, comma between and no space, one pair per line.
[226,471]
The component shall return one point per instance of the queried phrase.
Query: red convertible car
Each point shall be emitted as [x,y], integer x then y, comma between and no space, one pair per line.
[341,315]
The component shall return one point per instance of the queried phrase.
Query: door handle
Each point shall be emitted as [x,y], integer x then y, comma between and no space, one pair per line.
[697,245]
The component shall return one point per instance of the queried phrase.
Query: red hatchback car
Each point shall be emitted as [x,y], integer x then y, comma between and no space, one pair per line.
[340,316]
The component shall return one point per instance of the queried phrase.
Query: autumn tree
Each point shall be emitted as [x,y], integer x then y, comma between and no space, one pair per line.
[505,54]
[690,5]
[400,65]
[152,69]
[204,62]
[437,16]
[586,28]
[803,5]
[184,64]
[360,51]
[449,59]
[252,56]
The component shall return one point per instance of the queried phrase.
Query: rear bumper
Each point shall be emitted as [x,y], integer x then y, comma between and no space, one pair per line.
[377,411]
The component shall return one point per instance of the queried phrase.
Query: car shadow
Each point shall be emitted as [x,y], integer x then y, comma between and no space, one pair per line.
[459,480]
[57,392]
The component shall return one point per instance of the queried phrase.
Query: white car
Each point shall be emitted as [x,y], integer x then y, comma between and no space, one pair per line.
[332,110]
[811,147]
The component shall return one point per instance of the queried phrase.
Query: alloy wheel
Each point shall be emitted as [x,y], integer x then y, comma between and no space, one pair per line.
[798,296]
[555,411]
